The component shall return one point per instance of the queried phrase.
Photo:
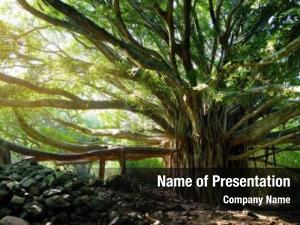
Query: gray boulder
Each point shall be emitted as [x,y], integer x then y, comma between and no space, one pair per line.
[33,208]
[57,201]
[11,220]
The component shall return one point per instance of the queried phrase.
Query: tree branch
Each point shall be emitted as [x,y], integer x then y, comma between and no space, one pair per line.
[186,56]
[294,139]
[277,87]
[262,108]
[280,140]
[50,141]
[286,149]
[50,91]
[49,19]
[114,133]
[200,44]
[99,33]
[249,153]
[252,133]
[130,153]
[86,104]
[284,52]
[214,17]
[123,29]
[171,35]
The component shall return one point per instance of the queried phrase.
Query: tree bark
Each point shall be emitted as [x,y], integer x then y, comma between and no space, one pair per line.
[102,168]
[202,147]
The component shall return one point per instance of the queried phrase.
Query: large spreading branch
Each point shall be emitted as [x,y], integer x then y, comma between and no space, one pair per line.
[248,116]
[129,153]
[287,50]
[261,127]
[125,32]
[113,133]
[56,22]
[276,151]
[85,105]
[97,34]
[271,142]
[34,134]
[171,36]
[283,136]
[91,29]
[76,103]
[186,42]
[144,78]
[43,90]
[275,87]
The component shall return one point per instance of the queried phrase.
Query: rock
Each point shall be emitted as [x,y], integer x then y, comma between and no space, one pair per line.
[68,187]
[27,182]
[15,176]
[33,208]
[3,183]
[39,177]
[115,221]
[121,221]
[4,211]
[86,200]
[51,192]
[13,186]
[114,218]
[73,185]
[134,215]
[17,200]
[28,197]
[45,196]
[56,201]
[113,214]
[119,183]
[11,220]
[34,190]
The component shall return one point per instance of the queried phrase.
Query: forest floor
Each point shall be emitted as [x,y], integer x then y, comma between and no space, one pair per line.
[41,195]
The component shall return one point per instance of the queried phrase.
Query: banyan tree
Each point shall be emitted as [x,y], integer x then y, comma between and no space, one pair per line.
[217,81]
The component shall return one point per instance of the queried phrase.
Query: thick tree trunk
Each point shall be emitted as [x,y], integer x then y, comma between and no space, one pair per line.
[202,147]
[198,158]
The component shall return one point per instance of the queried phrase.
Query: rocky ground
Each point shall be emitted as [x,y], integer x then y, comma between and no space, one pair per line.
[34,193]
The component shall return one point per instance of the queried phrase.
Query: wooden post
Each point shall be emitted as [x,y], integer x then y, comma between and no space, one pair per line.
[167,161]
[102,168]
[5,158]
[122,162]
[274,155]
[267,156]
